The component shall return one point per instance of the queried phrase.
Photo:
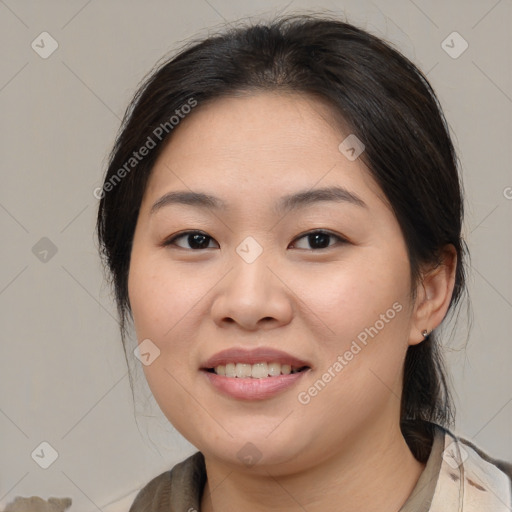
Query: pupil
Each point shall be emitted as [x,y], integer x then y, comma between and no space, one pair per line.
[196,239]
[319,237]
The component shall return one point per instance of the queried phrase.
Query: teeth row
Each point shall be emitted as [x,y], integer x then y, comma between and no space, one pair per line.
[256,371]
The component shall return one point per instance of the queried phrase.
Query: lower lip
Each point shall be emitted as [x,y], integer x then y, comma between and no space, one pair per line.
[253,389]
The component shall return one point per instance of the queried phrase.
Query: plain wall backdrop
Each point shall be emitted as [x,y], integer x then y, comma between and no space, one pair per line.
[63,374]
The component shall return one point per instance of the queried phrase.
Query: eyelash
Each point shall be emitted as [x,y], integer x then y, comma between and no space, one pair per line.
[171,241]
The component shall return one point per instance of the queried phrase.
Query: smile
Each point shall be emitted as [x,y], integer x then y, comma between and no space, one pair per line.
[255,371]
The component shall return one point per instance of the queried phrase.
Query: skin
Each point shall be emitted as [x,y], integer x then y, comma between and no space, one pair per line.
[344,449]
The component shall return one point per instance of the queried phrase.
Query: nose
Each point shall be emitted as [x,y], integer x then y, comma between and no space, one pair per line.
[253,296]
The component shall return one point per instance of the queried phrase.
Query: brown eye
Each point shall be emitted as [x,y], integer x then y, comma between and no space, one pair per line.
[320,240]
[195,240]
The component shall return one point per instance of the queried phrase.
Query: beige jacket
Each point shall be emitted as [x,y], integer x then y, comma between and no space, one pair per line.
[458,477]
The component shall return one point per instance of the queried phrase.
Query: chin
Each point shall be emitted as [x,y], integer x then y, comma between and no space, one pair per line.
[256,453]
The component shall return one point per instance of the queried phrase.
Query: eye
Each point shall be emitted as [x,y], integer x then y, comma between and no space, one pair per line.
[320,239]
[195,239]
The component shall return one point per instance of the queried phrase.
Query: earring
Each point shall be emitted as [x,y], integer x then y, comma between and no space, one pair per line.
[425,333]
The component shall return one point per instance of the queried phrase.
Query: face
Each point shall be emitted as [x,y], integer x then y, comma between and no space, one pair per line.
[275,272]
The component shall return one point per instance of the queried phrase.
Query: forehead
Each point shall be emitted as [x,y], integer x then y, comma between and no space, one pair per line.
[258,145]
[259,121]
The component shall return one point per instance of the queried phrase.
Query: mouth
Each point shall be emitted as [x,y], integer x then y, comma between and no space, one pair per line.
[265,383]
[259,370]
[256,374]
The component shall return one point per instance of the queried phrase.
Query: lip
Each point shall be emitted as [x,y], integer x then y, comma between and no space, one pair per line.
[257,355]
[249,388]
[253,389]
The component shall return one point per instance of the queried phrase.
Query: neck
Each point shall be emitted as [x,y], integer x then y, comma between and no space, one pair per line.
[377,474]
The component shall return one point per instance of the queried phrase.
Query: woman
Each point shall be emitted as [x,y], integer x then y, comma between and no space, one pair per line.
[281,218]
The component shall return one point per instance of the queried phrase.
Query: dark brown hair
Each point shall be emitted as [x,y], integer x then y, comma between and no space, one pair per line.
[379,94]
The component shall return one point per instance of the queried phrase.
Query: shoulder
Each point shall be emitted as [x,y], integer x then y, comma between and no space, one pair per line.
[468,476]
[468,462]
[183,483]
[502,465]
[154,495]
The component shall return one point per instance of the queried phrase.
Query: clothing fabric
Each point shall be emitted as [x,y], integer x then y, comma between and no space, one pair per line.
[458,477]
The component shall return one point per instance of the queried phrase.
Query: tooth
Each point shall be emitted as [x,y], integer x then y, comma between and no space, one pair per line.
[286,369]
[274,369]
[243,370]
[256,371]
[230,370]
[259,370]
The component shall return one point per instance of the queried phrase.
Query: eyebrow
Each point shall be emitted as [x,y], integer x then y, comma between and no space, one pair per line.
[284,205]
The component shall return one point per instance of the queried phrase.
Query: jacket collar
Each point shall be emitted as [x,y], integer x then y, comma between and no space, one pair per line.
[469,483]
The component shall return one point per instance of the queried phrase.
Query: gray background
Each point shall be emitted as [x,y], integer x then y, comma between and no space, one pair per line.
[63,374]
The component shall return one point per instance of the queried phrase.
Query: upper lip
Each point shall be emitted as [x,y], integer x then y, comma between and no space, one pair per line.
[257,355]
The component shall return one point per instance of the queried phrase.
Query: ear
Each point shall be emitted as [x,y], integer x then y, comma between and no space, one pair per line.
[434,292]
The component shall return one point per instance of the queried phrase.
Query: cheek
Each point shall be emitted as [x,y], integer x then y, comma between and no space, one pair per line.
[364,311]
[161,295]
[351,295]
[162,302]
